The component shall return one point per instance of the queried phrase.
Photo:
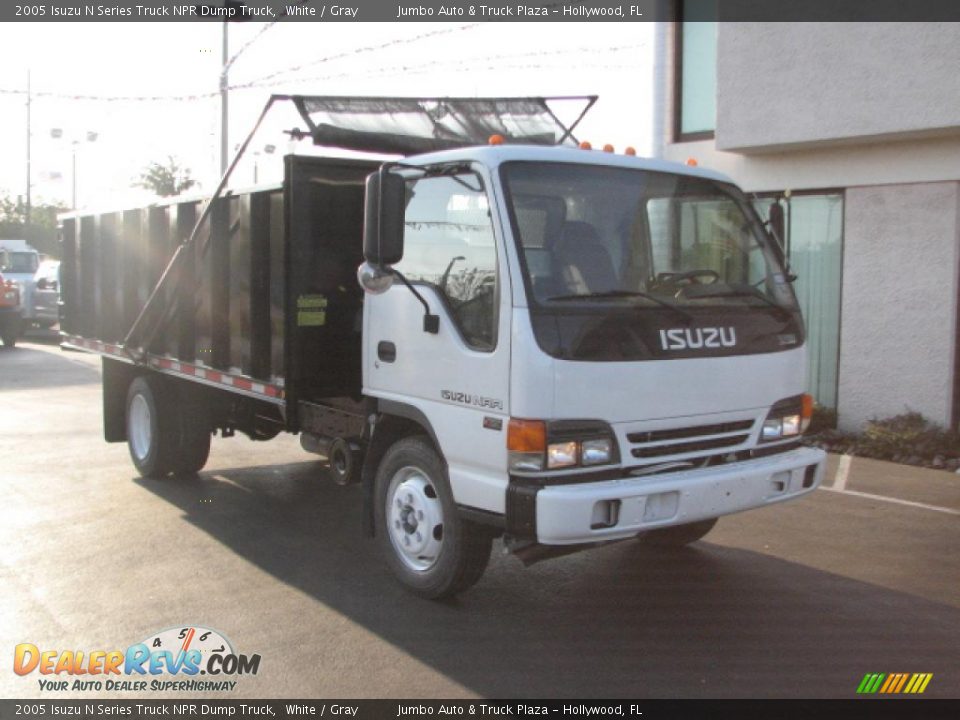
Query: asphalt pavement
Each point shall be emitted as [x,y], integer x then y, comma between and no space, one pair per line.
[796,600]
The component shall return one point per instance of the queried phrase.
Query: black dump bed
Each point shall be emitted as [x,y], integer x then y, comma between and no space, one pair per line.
[264,302]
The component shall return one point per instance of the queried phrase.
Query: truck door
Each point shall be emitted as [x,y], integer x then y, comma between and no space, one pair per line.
[458,378]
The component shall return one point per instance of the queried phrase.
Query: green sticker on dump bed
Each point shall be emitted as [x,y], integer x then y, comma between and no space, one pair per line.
[311,310]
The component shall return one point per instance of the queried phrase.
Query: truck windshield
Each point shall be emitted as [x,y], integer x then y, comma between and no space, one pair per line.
[18,262]
[685,250]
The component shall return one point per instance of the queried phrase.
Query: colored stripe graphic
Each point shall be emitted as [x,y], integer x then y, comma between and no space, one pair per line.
[903,681]
[894,683]
[870,683]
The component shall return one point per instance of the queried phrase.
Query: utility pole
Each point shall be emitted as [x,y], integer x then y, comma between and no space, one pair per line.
[29,174]
[224,121]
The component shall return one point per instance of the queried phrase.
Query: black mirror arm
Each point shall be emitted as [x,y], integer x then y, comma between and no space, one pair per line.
[431,322]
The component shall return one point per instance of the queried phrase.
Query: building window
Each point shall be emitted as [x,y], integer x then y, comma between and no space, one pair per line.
[696,62]
[813,229]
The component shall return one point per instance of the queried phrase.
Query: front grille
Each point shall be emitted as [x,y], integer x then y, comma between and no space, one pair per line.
[689,442]
[688,432]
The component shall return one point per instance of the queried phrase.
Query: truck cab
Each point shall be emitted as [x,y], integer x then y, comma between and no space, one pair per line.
[19,263]
[618,350]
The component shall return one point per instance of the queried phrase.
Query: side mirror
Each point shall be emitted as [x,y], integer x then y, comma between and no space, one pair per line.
[383,212]
[42,284]
[777,225]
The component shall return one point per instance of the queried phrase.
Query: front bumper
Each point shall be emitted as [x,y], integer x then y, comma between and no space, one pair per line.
[615,509]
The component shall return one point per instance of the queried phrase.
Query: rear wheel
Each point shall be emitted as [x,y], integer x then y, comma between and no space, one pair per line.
[433,551]
[164,436]
[150,435]
[678,535]
[194,442]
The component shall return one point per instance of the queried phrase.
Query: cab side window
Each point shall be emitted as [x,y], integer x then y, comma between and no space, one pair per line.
[449,245]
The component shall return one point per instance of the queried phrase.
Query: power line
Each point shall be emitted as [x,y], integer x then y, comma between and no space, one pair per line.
[357,51]
[472,63]
[110,98]
[251,41]
[252,84]
[268,81]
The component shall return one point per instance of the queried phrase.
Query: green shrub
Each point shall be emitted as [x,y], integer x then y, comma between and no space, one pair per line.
[907,438]
[824,418]
[907,435]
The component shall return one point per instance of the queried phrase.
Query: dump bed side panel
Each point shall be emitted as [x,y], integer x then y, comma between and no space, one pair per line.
[264,301]
[225,309]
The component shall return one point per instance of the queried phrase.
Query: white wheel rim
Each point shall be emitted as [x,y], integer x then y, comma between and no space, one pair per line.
[139,430]
[414,518]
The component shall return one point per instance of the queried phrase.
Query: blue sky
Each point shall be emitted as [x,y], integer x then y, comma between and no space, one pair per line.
[182,60]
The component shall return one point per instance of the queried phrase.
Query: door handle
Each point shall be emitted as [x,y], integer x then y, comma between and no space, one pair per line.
[386,351]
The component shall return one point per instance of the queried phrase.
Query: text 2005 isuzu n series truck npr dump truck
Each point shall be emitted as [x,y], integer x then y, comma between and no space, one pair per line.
[556,345]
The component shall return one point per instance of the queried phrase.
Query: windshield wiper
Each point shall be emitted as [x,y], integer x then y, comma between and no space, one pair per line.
[743,291]
[607,294]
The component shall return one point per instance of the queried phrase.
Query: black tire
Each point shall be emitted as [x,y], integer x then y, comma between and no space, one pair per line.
[458,559]
[194,442]
[151,427]
[9,330]
[164,436]
[678,535]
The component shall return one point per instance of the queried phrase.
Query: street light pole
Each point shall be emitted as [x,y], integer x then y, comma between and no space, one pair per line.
[29,175]
[91,136]
[73,176]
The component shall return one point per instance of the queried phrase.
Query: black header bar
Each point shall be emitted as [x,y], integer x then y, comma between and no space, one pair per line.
[486,11]
[859,709]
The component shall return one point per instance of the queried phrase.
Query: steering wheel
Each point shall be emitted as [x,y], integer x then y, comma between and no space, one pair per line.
[691,276]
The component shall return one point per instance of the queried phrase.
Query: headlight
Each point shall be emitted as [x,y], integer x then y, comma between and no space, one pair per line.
[787,418]
[535,445]
[561,455]
[596,452]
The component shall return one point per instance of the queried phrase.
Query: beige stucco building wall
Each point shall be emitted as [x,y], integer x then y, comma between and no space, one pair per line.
[899,301]
[873,110]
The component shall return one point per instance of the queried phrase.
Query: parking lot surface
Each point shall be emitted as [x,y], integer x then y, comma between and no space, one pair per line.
[797,600]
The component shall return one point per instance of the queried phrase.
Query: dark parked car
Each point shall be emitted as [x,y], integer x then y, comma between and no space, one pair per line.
[46,294]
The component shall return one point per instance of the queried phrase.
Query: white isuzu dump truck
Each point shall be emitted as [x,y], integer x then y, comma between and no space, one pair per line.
[553,345]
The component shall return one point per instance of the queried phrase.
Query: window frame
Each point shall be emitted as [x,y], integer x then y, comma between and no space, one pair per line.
[433,172]
[677,129]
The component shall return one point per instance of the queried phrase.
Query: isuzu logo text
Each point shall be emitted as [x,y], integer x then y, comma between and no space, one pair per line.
[470,399]
[696,338]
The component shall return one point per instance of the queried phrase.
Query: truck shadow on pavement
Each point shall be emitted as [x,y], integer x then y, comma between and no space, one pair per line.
[619,621]
[25,367]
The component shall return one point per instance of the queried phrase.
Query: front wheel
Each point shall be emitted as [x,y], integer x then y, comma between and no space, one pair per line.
[678,535]
[433,551]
